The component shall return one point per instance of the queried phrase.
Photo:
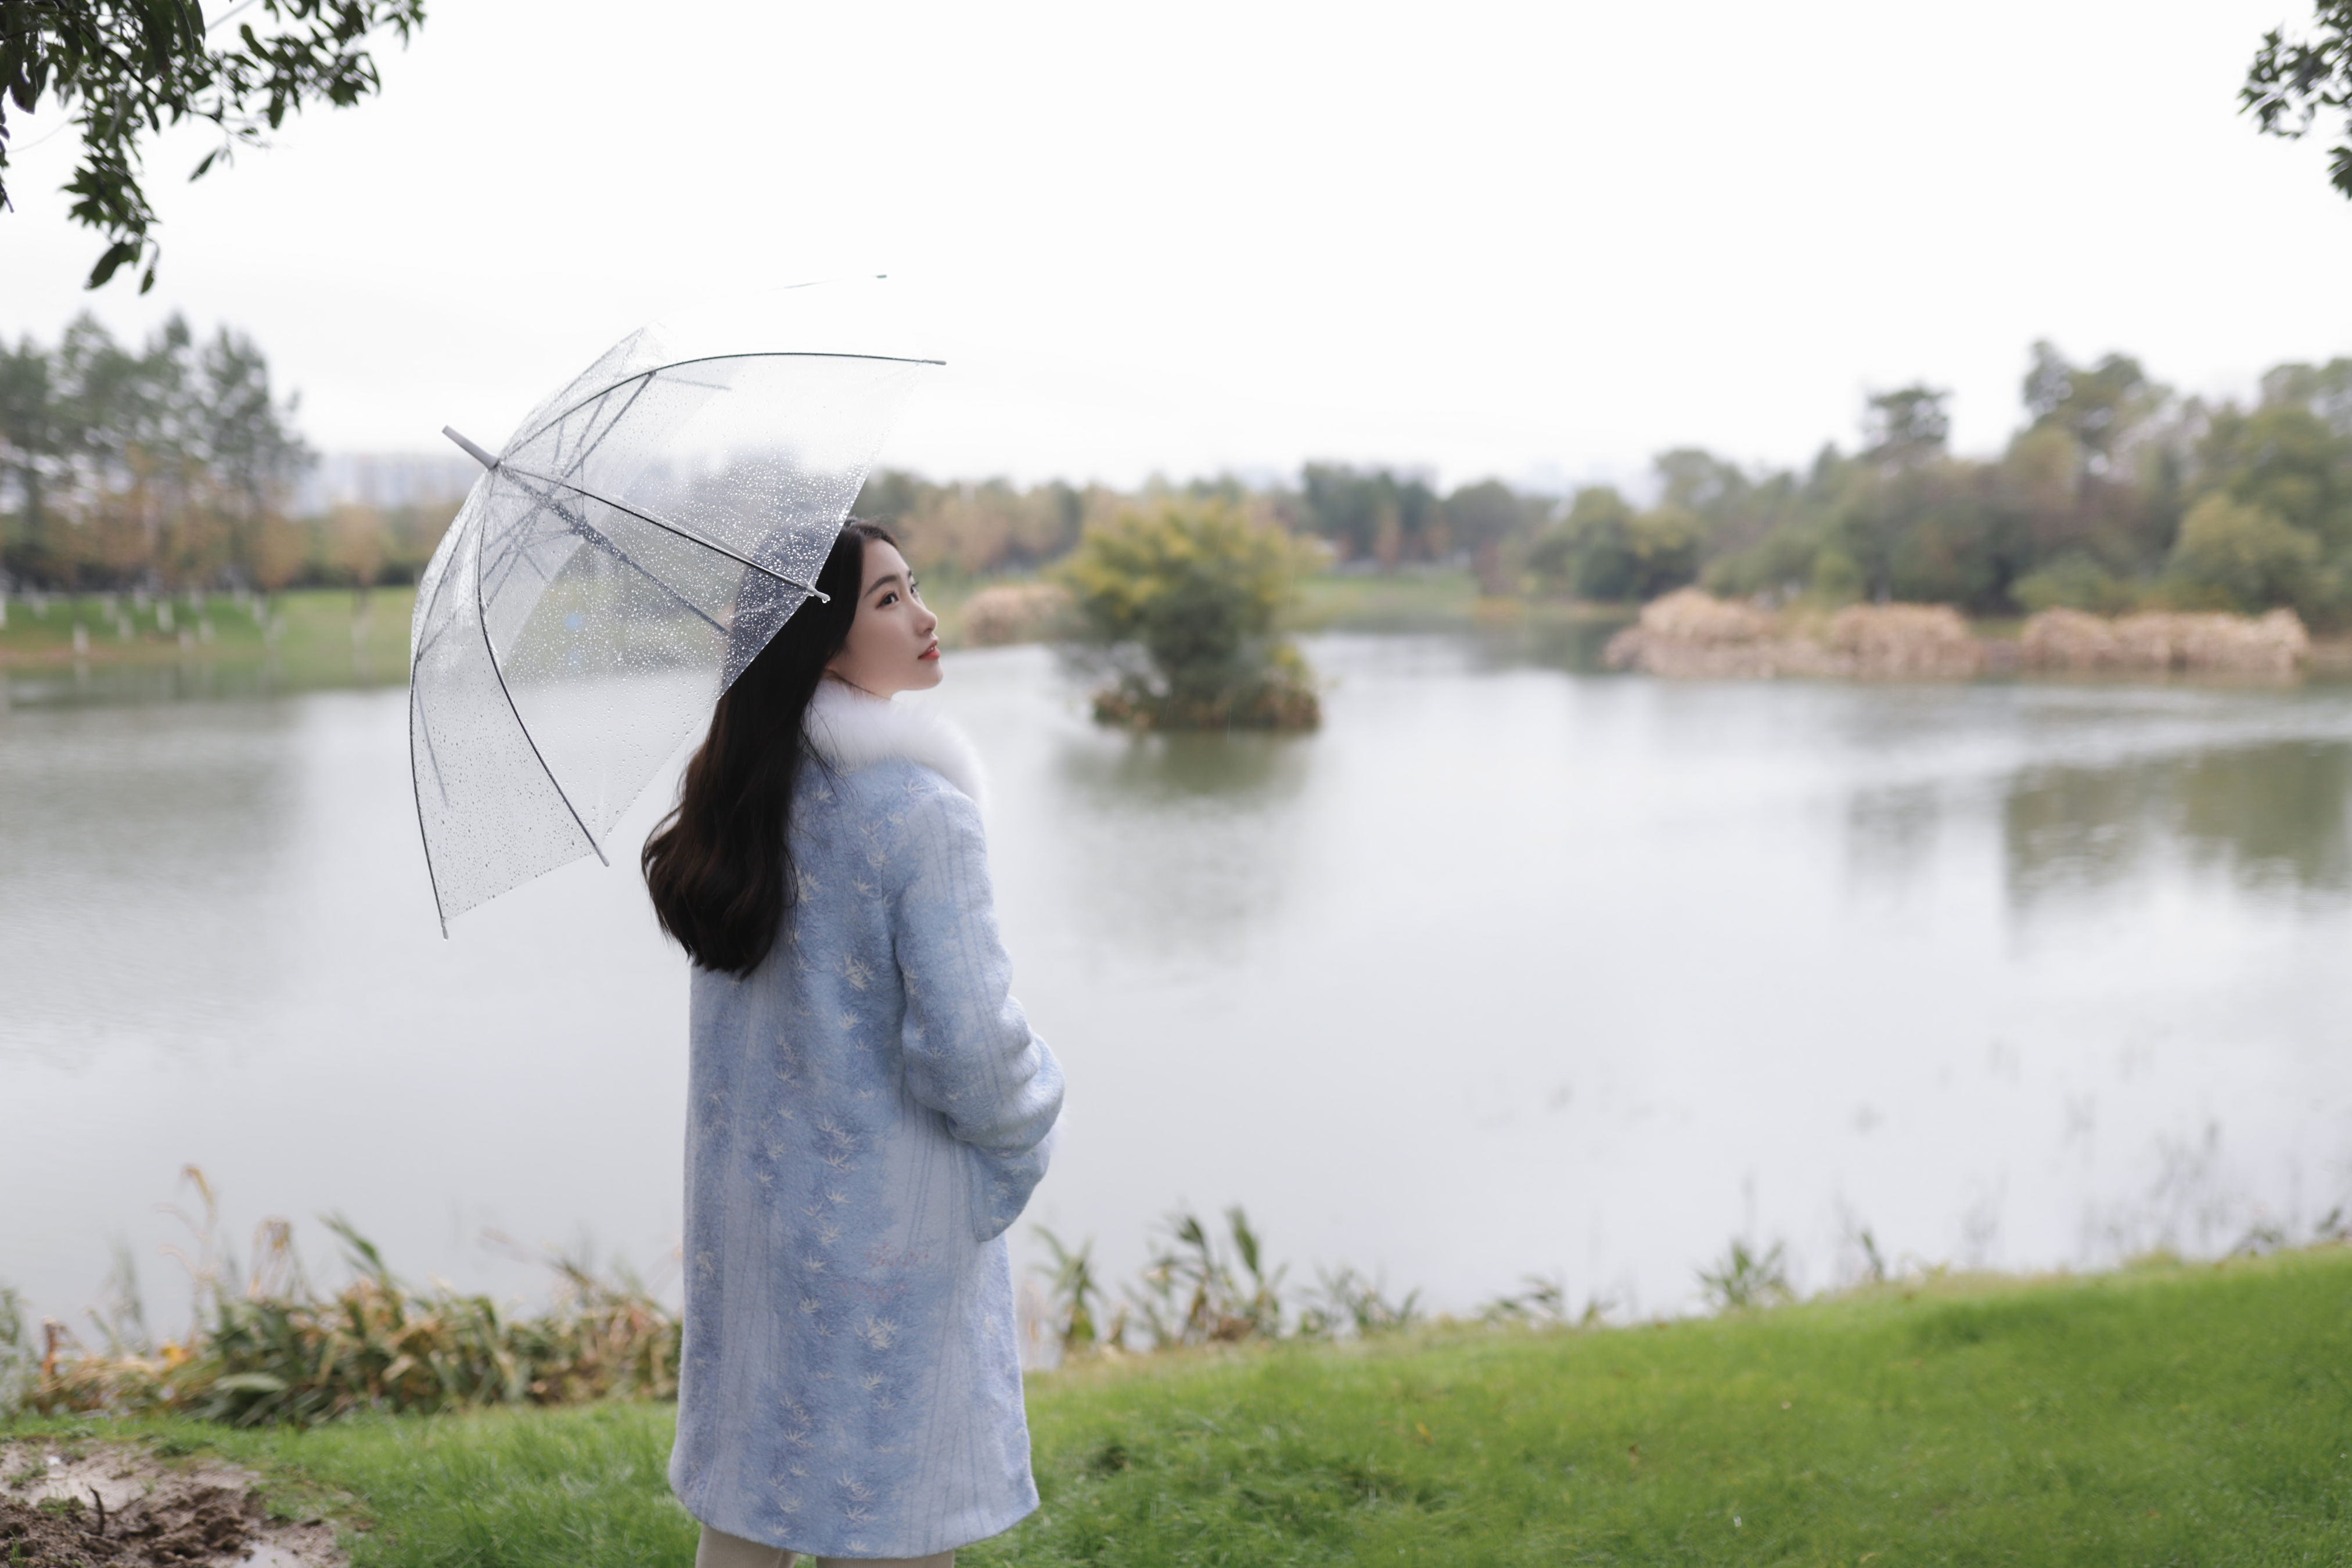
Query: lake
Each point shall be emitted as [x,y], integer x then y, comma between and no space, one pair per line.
[1509,971]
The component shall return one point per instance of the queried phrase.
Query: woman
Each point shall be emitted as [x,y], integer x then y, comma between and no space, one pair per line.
[868,1110]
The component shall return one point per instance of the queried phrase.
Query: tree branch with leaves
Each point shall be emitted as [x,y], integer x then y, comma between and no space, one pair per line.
[2292,80]
[125,70]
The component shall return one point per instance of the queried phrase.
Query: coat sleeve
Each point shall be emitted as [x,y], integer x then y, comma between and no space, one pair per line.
[970,1052]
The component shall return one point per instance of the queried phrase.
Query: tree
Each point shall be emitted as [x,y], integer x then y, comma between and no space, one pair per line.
[1196,588]
[358,535]
[126,68]
[2100,406]
[1907,427]
[2282,459]
[160,465]
[2242,557]
[2290,81]
[1377,513]
[31,447]
[2325,389]
[1604,549]
[1483,518]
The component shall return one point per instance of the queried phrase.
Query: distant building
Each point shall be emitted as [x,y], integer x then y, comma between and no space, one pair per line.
[384,480]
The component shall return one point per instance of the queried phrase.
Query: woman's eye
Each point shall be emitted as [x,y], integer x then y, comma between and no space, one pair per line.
[886,601]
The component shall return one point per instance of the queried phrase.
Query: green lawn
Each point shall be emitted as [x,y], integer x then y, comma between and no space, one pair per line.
[2168,1414]
[322,636]
[1404,601]
[1546,631]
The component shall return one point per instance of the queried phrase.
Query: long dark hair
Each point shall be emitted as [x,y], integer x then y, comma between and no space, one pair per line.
[719,867]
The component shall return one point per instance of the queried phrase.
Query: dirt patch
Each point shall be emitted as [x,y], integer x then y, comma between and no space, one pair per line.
[68,1504]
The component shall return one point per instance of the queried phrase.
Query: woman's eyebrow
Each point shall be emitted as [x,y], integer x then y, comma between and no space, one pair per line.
[882,582]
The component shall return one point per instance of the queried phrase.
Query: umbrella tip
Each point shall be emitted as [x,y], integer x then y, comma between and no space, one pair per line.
[471,450]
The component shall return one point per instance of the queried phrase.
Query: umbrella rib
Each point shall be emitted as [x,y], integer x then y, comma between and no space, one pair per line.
[431,877]
[687,534]
[440,781]
[545,501]
[594,537]
[514,551]
[607,390]
[510,549]
[596,540]
[432,755]
[588,534]
[415,723]
[482,618]
[574,463]
[509,553]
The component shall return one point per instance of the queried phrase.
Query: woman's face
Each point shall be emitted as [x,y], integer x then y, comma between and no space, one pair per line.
[893,644]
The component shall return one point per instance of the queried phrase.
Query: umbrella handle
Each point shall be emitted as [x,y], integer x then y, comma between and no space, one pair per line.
[471,450]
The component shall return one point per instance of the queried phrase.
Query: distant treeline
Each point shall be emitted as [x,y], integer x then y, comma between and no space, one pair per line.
[2113,494]
[173,466]
[1371,517]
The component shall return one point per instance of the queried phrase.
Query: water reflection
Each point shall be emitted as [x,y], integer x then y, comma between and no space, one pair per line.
[1182,843]
[1550,642]
[2269,817]
[126,829]
[189,680]
[1891,831]
[1615,954]
[1241,770]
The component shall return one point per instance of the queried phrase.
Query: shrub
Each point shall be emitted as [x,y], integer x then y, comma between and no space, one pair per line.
[1183,599]
[1605,549]
[2072,582]
[278,1351]
[1746,1278]
[1836,577]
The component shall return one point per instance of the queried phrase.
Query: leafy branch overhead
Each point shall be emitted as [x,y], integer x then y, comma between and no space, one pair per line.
[2291,80]
[125,70]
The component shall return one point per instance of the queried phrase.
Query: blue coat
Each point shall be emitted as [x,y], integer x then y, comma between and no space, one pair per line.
[867,1113]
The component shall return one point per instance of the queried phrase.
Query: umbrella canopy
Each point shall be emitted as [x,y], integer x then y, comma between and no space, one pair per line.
[626,553]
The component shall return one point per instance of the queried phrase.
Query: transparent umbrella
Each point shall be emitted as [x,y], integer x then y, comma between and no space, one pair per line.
[621,559]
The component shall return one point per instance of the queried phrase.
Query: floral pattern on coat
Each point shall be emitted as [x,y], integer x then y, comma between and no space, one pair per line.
[868,1115]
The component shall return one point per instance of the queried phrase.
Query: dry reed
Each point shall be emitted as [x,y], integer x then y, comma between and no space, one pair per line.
[1692,635]
[1016,613]
[272,1349]
[2154,643]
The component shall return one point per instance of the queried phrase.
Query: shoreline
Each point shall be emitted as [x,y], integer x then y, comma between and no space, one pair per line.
[319,637]
[2157,1414]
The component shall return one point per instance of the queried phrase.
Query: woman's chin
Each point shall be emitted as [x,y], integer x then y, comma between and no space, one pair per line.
[928,672]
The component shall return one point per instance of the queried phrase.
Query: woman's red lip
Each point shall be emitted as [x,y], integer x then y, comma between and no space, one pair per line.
[930,652]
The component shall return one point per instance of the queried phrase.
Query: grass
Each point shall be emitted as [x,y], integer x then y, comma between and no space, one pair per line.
[321,638]
[2185,1415]
[2172,1413]
[1418,600]
[585,1485]
[1560,632]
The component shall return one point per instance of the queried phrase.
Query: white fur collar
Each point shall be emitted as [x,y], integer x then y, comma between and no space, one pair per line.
[852,730]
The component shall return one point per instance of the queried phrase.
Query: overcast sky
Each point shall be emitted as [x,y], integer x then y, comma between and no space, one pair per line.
[1536,240]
